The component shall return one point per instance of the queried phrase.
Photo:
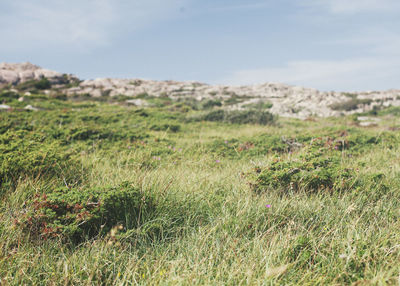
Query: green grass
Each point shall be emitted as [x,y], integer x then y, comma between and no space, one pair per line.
[209,223]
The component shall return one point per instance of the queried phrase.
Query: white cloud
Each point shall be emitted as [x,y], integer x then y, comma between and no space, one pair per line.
[78,23]
[353,6]
[376,66]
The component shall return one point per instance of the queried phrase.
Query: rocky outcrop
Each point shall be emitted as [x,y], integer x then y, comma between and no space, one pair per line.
[22,72]
[286,100]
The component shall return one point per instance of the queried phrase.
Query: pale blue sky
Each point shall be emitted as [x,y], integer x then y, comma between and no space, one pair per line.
[326,44]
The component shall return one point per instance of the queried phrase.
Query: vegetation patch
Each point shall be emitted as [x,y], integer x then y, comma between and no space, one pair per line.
[351,104]
[24,154]
[208,104]
[8,96]
[76,214]
[259,105]
[34,85]
[313,171]
[323,199]
[166,127]
[239,117]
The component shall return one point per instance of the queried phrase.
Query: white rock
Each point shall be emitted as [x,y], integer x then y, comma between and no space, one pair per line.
[22,72]
[367,124]
[367,118]
[137,102]
[30,107]
[4,107]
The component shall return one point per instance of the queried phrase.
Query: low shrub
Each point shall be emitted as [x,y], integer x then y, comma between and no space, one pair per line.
[7,96]
[34,85]
[208,104]
[77,214]
[239,117]
[250,147]
[215,115]
[250,117]
[24,154]
[311,172]
[43,83]
[259,105]
[166,127]
[391,110]
[191,103]
[350,104]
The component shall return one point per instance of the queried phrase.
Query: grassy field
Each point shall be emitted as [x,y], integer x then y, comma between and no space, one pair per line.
[99,193]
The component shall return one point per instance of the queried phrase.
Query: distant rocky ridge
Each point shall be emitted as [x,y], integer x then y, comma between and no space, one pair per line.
[286,100]
[23,72]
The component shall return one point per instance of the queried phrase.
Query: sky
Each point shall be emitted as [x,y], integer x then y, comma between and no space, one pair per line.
[341,45]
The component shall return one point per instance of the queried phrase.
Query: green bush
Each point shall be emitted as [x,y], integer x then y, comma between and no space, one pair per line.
[43,83]
[24,154]
[34,85]
[208,104]
[7,96]
[166,127]
[239,117]
[350,104]
[312,172]
[251,147]
[259,105]
[76,214]
[215,115]
[250,117]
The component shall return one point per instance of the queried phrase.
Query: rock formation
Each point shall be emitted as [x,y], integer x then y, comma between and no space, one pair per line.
[23,72]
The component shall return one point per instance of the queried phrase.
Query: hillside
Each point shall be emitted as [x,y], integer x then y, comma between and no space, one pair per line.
[279,99]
